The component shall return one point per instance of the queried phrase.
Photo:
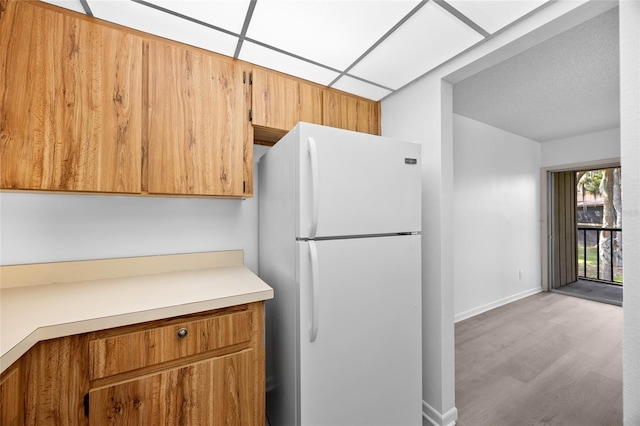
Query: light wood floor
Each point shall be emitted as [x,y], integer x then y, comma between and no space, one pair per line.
[548,359]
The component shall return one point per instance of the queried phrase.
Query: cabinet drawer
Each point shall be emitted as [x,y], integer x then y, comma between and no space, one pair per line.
[130,351]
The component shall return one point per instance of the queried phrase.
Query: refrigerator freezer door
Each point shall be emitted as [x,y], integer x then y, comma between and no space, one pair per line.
[364,367]
[356,184]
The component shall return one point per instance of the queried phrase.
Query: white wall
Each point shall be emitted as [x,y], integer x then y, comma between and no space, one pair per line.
[630,161]
[496,217]
[422,112]
[53,227]
[417,115]
[582,149]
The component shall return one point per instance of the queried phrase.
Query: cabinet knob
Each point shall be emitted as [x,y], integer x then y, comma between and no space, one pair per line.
[182,333]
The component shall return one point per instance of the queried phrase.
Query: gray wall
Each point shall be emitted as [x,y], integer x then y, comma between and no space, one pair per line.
[496,217]
[423,112]
[53,227]
[585,148]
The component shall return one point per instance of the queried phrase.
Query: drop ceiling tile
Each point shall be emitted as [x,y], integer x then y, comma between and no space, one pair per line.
[493,15]
[427,39]
[334,32]
[270,58]
[361,88]
[74,5]
[149,20]
[227,14]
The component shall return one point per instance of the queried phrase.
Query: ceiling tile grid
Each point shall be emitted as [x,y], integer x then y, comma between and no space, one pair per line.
[359,87]
[158,22]
[366,47]
[429,38]
[74,5]
[225,14]
[334,33]
[494,15]
[286,63]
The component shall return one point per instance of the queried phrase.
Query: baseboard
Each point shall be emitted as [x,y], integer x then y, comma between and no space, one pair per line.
[435,418]
[495,304]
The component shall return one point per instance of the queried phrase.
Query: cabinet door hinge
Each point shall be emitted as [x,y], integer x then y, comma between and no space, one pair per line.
[244,186]
[250,78]
[250,115]
[86,404]
[244,77]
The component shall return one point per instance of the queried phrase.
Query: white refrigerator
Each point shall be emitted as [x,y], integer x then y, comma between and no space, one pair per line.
[340,220]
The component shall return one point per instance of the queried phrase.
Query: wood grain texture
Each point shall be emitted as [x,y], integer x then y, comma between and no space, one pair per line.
[221,390]
[548,359]
[214,392]
[12,396]
[259,372]
[56,381]
[280,101]
[70,104]
[196,122]
[267,136]
[47,385]
[126,352]
[274,100]
[247,147]
[349,112]
[309,102]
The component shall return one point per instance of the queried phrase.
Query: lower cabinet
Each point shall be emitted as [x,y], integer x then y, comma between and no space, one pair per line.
[55,382]
[11,391]
[216,391]
[201,369]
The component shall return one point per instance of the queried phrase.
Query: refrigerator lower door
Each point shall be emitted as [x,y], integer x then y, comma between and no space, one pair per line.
[360,331]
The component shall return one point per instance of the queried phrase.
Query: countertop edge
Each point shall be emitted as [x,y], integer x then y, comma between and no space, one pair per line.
[111,293]
[101,323]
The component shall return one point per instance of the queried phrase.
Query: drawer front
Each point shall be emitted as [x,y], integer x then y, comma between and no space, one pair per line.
[127,352]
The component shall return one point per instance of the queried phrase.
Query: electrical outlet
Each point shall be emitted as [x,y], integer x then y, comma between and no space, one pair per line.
[521,274]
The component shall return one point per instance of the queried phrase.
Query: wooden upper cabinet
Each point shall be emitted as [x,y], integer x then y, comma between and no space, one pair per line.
[70,102]
[279,101]
[350,112]
[197,124]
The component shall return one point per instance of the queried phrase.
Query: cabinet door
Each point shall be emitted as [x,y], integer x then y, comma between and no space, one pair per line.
[218,391]
[279,102]
[56,380]
[309,103]
[350,112]
[12,397]
[70,103]
[196,123]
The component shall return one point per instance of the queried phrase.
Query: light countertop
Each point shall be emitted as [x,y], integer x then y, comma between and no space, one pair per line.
[31,313]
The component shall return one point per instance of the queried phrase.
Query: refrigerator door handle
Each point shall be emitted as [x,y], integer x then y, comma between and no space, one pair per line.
[315,292]
[313,157]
